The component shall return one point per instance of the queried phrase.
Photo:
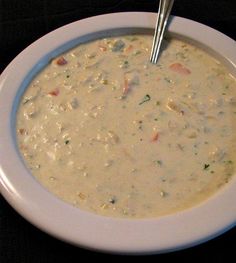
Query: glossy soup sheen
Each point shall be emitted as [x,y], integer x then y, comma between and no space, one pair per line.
[105,130]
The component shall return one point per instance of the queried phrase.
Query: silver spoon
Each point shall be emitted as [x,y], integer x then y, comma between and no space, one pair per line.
[164,10]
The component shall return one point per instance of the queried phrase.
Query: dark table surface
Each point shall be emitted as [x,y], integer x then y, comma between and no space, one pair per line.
[24,21]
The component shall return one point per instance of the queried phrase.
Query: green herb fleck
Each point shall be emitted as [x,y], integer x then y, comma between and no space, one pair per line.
[180,55]
[67,76]
[145,99]
[140,125]
[112,200]
[26,100]
[158,103]
[163,194]
[206,166]
[137,52]
[104,81]
[133,39]
[168,80]
[159,162]
[67,141]
[124,64]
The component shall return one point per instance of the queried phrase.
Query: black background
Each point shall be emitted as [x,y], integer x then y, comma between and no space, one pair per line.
[24,21]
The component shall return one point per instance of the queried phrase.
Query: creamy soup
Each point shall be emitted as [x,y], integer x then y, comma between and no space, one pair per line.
[107,131]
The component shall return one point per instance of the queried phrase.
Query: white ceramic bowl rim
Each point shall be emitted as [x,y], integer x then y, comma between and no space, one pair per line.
[82,228]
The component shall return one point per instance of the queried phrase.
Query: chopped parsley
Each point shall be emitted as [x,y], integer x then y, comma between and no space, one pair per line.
[112,200]
[159,162]
[26,100]
[145,99]
[168,80]
[206,166]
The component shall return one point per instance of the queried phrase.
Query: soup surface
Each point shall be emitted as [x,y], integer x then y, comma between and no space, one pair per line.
[105,130]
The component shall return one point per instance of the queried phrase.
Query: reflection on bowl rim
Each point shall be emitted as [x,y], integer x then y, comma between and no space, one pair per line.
[44,210]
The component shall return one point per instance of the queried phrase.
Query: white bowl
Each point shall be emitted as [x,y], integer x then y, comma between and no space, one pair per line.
[47,212]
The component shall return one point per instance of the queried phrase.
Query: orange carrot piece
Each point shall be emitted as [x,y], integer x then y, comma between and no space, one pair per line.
[54,92]
[126,87]
[129,48]
[179,68]
[61,61]
[155,137]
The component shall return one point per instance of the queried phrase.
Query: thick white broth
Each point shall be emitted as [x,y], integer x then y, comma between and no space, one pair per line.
[105,130]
